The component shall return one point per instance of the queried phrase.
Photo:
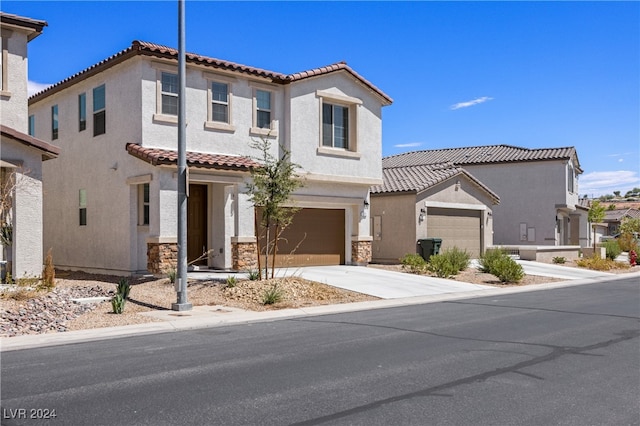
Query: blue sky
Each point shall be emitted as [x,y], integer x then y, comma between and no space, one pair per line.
[530,74]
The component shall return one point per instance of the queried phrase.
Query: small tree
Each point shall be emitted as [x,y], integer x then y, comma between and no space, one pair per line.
[270,190]
[616,193]
[595,215]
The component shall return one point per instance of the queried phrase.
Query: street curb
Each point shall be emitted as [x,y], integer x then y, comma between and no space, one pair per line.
[8,344]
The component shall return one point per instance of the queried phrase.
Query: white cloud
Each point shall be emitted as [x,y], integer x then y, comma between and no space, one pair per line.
[470,103]
[33,87]
[408,145]
[603,183]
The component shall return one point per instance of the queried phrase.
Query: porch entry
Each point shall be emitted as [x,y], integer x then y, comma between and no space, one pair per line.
[197,223]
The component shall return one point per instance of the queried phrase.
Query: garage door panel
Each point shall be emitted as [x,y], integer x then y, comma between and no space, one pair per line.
[315,237]
[457,228]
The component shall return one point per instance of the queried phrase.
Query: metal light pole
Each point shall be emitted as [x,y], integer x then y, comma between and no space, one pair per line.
[182,304]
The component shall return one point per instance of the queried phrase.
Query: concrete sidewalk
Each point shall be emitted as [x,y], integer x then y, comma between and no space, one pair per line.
[216,316]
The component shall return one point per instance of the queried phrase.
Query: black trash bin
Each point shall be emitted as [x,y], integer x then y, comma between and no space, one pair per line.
[429,246]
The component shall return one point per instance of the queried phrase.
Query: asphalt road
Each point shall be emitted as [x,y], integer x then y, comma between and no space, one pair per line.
[567,356]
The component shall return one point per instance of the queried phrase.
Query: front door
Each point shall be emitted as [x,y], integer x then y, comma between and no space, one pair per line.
[197,224]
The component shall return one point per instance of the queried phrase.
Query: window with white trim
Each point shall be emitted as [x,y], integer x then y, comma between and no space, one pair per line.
[143,204]
[263,112]
[335,126]
[219,102]
[570,178]
[99,111]
[169,93]
[338,124]
[4,77]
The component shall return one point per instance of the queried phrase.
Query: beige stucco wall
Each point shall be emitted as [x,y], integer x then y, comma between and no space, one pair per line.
[27,247]
[399,213]
[13,98]
[529,193]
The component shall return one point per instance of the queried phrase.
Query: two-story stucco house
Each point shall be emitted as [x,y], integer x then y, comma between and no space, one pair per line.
[21,155]
[111,200]
[538,190]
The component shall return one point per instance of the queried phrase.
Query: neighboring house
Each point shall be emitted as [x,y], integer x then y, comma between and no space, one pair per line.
[613,219]
[111,199]
[21,155]
[430,201]
[538,190]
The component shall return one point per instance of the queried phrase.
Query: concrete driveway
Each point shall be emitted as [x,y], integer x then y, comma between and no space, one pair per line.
[379,282]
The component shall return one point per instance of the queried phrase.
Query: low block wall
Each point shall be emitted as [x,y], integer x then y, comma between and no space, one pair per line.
[544,253]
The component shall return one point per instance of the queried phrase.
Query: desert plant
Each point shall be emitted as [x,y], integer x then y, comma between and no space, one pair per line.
[272,295]
[117,303]
[594,216]
[124,288]
[49,272]
[413,263]
[612,248]
[559,260]
[449,262]
[441,266]
[488,258]
[172,274]
[253,275]
[507,270]
[231,281]
[627,242]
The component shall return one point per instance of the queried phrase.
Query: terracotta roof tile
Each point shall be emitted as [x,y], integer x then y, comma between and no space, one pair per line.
[422,177]
[157,157]
[152,49]
[480,155]
[48,151]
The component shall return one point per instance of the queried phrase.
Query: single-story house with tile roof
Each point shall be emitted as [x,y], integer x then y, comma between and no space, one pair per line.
[614,218]
[538,189]
[111,199]
[430,201]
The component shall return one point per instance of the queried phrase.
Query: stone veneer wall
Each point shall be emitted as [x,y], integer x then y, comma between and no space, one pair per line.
[360,252]
[244,256]
[161,257]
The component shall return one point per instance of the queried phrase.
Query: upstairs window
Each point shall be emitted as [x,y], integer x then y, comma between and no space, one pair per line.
[99,111]
[4,78]
[82,111]
[169,93]
[32,125]
[335,126]
[219,102]
[263,109]
[54,122]
[570,178]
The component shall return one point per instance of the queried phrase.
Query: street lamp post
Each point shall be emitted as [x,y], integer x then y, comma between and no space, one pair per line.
[181,285]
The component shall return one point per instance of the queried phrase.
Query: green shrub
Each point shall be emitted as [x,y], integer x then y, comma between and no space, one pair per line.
[272,296]
[507,270]
[488,258]
[413,263]
[628,242]
[559,259]
[612,248]
[117,303]
[449,262]
[253,274]
[231,281]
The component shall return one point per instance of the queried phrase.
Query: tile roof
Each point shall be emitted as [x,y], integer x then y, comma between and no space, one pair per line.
[35,25]
[151,49]
[422,177]
[157,157]
[618,215]
[480,155]
[48,151]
